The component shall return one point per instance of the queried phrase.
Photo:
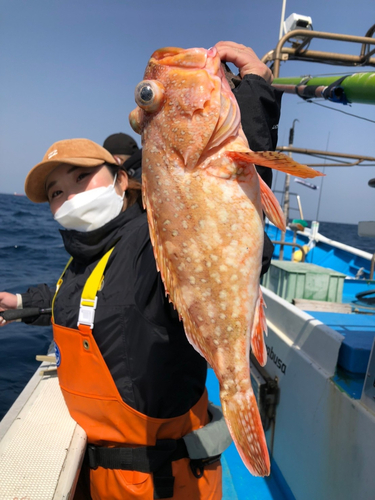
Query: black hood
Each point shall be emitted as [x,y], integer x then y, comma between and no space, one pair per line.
[133,165]
[88,247]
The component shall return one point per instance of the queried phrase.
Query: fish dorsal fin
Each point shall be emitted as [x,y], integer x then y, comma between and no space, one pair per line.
[271,206]
[278,161]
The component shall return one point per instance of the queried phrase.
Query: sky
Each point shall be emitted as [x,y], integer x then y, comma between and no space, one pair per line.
[68,68]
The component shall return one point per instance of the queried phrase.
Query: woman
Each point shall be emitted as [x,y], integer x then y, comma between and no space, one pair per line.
[126,347]
[128,374]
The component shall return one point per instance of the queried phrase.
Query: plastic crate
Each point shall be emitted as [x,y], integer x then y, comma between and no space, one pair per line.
[301,280]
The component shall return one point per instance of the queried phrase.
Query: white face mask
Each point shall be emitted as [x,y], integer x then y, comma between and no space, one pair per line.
[91,209]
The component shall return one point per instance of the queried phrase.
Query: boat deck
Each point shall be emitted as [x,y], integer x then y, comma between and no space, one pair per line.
[357,324]
[358,331]
[41,447]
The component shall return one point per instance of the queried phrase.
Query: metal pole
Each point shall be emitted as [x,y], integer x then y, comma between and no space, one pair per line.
[321,185]
[319,152]
[277,54]
[282,19]
[286,191]
[299,206]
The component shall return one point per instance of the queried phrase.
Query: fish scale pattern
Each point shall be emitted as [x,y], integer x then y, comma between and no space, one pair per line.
[205,205]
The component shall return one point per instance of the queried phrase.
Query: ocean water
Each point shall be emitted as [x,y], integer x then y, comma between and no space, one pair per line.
[31,252]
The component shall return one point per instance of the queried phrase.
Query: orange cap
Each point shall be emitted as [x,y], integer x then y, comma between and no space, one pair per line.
[80,152]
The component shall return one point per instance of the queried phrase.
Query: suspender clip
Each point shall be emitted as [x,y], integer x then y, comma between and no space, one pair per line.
[87,312]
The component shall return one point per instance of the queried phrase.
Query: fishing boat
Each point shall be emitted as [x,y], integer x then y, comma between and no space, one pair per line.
[321,330]
[321,327]
[316,394]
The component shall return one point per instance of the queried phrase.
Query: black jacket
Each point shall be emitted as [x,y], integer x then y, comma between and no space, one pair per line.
[138,332]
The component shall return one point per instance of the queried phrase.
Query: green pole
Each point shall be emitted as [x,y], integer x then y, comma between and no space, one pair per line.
[357,88]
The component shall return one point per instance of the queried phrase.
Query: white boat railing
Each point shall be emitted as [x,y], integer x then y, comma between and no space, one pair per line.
[41,446]
[320,237]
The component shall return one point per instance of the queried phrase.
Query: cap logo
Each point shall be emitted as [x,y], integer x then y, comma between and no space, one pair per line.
[52,153]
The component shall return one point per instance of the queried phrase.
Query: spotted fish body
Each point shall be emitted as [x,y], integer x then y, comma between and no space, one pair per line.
[205,205]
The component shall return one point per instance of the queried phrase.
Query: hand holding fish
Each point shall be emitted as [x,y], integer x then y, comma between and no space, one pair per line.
[244,58]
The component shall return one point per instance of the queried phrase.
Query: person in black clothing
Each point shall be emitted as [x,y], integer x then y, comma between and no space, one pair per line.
[126,152]
[134,338]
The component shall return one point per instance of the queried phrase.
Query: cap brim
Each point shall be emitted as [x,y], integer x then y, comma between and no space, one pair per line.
[35,183]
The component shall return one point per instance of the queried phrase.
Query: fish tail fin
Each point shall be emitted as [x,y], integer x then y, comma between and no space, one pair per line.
[258,345]
[245,426]
[271,206]
[278,161]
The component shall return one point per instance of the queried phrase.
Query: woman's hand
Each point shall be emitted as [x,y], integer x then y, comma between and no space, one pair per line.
[244,58]
[7,301]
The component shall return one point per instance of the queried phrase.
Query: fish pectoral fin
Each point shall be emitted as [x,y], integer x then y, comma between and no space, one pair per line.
[271,206]
[278,161]
[258,345]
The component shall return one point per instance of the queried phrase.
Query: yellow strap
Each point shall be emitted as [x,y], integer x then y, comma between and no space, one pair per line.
[86,315]
[94,281]
[58,284]
[92,285]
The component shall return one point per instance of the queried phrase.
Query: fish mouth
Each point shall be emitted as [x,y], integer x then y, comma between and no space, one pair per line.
[202,59]
[196,58]
[193,59]
[166,52]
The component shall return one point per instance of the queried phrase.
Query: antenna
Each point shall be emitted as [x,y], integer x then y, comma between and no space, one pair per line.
[282,19]
[321,185]
[286,191]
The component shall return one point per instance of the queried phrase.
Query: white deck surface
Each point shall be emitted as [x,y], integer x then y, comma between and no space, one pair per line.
[41,447]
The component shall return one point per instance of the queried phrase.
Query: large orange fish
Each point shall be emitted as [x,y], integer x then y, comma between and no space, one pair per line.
[205,204]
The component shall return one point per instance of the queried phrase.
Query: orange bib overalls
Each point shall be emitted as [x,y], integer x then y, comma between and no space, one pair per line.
[95,404]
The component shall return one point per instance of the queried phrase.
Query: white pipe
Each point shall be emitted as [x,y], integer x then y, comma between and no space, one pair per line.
[299,206]
[282,20]
[337,244]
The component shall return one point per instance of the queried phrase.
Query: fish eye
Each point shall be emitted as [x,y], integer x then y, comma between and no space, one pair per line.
[146,93]
[149,95]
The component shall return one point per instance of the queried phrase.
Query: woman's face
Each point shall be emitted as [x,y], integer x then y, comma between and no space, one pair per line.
[65,181]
